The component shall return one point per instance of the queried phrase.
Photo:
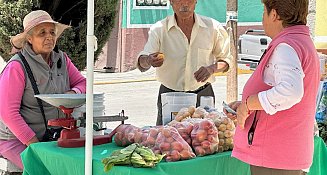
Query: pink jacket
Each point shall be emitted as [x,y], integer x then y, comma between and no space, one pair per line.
[283,140]
[14,89]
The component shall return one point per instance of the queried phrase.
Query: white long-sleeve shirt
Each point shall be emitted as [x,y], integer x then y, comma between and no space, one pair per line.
[284,73]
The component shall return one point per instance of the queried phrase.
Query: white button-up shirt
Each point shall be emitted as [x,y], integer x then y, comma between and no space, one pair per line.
[209,43]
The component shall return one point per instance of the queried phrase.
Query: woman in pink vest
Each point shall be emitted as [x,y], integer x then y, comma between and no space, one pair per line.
[276,115]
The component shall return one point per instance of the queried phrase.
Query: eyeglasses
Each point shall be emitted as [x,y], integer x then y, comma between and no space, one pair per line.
[252,129]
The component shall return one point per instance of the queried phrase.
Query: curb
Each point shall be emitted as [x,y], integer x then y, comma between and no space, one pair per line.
[240,71]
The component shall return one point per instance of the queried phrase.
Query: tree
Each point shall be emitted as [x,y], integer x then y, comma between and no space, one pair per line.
[73,12]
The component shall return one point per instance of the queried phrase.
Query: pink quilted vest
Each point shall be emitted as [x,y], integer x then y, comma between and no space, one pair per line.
[283,140]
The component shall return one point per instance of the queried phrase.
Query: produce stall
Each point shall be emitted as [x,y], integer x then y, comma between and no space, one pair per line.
[47,158]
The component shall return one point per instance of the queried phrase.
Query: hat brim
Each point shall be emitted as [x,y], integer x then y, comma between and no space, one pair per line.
[18,40]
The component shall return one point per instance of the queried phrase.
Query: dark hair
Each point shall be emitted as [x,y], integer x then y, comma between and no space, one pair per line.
[291,12]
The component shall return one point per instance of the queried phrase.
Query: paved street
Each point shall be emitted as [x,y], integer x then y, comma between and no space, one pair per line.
[137,94]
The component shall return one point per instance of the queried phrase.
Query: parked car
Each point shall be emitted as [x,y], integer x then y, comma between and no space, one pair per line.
[251,46]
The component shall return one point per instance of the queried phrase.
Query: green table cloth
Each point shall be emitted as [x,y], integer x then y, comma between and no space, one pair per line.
[47,158]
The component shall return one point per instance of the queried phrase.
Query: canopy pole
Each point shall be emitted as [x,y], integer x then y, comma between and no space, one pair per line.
[91,44]
[231,20]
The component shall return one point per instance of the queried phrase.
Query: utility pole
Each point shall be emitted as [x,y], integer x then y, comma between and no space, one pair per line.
[231,19]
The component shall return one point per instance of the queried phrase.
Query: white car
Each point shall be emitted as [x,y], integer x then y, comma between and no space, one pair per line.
[251,46]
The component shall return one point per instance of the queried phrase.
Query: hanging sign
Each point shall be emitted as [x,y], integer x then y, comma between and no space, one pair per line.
[231,16]
[150,4]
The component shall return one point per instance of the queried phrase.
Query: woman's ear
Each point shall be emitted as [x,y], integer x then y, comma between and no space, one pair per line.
[274,15]
[29,39]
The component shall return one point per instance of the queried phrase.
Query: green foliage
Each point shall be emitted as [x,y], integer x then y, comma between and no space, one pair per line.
[323,130]
[11,23]
[73,12]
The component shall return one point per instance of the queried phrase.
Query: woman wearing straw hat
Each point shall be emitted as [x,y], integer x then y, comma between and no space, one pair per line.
[22,118]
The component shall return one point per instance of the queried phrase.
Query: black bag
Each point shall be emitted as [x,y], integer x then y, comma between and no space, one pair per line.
[51,134]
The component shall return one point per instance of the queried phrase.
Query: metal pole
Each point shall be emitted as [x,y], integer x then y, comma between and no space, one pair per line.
[231,20]
[91,47]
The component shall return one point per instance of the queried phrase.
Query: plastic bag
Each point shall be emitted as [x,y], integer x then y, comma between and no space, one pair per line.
[171,143]
[204,137]
[125,135]
[184,129]
[226,130]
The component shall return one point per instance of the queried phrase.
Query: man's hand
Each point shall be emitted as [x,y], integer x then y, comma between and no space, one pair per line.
[156,59]
[203,73]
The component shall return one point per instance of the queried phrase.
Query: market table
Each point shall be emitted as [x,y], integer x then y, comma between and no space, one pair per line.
[47,158]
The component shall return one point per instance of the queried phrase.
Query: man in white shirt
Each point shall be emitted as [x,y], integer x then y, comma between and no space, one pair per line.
[194,47]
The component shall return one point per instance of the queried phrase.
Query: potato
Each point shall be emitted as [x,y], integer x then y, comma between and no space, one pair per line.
[153,132]
[177,146]
[206,125]
[228,133]
[221,135]
[138,137]
[222,127]
[199,113]
[196,115]
[226,147]
[205,144]
[170,140]
[217,122]
[186,114]
[199,151]
[174,156]
[221,142]
[179,118]
[212,138]
[195,143]
[230,126]
[189,128]
[231,146]
[201,135]
[191,110]
[161,56]
[225,120]
[157,151]
[166,132]
[150,141]
[229,141]
[173,122]
[164,146]
[220,149]
[185,154]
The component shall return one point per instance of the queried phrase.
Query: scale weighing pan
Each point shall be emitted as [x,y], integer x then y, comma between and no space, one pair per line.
[70,135]
[65,100]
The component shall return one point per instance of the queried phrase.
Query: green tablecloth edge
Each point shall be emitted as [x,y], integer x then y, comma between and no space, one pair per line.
[72,162]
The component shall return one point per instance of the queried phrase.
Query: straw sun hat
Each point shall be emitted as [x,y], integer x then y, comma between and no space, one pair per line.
[31,20]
